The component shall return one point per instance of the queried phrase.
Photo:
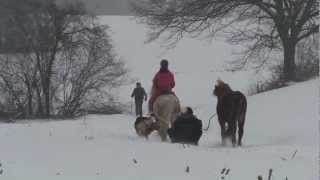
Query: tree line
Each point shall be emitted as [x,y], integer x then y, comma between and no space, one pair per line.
[55,60]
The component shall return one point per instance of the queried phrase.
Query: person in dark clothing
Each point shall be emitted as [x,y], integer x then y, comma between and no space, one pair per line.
[186,129]
[139,95]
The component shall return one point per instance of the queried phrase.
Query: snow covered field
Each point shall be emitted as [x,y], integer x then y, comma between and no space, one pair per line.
[196,63]
[281,130]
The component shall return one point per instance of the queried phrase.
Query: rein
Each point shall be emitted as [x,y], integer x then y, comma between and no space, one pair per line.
[208,126]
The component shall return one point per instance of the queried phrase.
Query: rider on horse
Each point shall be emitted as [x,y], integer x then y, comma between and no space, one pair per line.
[163,83]
[163,102]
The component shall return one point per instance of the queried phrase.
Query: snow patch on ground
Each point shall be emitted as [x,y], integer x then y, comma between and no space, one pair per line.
[280,133]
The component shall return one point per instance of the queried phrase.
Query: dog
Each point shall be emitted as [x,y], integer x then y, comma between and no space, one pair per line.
[144,126]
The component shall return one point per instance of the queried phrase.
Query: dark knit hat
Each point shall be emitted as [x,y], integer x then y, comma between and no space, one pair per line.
[164,63]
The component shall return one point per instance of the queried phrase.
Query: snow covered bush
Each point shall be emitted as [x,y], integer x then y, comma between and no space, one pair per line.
[274,81]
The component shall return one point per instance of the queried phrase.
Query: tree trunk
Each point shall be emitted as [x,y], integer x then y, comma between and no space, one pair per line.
[1,41]
[47,97]
[30,96]
[40,107]
[47,88]
[289,61]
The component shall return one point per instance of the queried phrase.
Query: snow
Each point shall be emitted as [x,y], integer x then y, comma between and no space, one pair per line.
[281,130]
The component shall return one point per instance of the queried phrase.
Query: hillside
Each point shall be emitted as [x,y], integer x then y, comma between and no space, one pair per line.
[281,133]
[281,130]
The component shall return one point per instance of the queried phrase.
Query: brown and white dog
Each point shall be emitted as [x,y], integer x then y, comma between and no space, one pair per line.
[144,126]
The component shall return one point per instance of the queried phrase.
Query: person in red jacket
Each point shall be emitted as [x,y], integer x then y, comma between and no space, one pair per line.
[163,82]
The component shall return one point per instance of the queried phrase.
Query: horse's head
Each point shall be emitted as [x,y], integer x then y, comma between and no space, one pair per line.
[221,88]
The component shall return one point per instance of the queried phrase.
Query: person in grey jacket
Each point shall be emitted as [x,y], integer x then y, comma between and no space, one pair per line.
[139,94]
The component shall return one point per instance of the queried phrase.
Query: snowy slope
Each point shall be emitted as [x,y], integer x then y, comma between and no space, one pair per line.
[196,63]
[279,123]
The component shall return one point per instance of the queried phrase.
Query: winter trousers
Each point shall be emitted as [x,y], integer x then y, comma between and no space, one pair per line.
[138,105]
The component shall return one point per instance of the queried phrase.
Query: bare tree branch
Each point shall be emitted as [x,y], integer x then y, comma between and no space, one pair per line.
[269,23]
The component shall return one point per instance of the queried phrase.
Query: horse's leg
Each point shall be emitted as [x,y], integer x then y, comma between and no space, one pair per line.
[240,133]
[232,131]
[163,129]
[241,126]
[175,109]
[164,125]
[242,117]
[223,131]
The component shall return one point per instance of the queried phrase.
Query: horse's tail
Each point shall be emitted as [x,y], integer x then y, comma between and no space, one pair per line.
[243,109]
[242,116]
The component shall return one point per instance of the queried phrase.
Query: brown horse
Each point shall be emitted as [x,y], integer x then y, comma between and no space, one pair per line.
[231,110]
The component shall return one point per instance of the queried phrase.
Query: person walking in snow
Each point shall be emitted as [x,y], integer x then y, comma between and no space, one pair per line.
[139,94]
[163,83]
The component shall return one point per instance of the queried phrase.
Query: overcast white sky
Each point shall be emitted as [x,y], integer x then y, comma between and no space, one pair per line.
[106,7]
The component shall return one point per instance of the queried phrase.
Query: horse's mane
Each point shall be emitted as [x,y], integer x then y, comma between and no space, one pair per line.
[223,87]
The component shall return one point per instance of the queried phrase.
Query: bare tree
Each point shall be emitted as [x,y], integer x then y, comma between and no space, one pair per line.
[18,74]
[60,56]
[88,71]
[263,24]
[41,29]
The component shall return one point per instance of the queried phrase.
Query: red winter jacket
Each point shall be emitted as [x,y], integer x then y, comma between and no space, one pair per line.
[162,81]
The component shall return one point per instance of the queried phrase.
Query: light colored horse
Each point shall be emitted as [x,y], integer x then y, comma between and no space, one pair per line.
[165,108]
